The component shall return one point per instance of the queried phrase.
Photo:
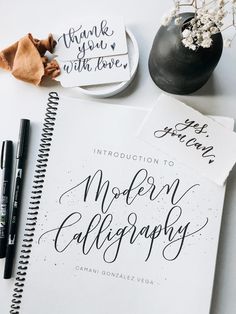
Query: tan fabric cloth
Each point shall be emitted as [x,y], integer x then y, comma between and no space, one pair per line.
[26,61]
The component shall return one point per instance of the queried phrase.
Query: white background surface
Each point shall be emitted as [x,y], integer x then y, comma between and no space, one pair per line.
[21,100]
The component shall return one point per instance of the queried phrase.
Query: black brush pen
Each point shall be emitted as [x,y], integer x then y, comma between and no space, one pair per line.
[6,166]
[18,182]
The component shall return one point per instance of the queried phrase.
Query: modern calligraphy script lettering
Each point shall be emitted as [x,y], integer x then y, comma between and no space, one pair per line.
[101,234]
[141,185]
[77,66]
[90,45]
[191,142]
[87,39]
[103,64]
[106,232]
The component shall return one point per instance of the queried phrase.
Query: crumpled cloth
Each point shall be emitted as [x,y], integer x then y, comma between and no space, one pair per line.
[26,59]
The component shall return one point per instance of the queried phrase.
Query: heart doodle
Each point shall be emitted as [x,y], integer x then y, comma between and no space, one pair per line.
[210,161]
[125,66]
[113,46]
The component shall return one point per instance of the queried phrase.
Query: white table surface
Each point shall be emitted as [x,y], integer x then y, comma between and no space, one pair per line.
[22,100]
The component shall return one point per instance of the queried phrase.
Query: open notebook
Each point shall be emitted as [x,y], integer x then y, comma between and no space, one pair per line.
[114,226]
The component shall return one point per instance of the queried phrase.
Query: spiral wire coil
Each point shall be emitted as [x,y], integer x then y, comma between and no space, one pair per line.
[35,198]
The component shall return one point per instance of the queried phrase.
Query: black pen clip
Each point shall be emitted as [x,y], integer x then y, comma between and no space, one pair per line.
[2,153]
[23,138]
[6,154]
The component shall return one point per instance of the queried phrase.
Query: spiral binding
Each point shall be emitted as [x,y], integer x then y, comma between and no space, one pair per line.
[39,175]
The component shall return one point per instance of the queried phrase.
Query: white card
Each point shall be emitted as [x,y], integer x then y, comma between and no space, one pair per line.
[92,38]
[190,137]
[94,71]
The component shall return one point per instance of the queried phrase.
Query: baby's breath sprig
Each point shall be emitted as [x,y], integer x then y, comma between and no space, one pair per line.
[210,17]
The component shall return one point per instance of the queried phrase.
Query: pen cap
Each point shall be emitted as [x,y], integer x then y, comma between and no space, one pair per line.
[23,138]
[6,155]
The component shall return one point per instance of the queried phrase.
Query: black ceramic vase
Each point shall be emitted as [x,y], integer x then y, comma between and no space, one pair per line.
[177,69]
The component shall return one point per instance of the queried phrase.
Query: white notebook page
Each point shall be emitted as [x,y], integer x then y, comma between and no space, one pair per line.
[144,241]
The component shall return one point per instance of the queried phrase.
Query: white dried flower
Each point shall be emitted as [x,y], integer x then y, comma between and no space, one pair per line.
[186,33]
[209,19]
[214,30]
[206,43]
[206,35]
[178,20]
[166,19]
[193,47]
[188,42]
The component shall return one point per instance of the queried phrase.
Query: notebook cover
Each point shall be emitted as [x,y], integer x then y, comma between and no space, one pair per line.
[114,226]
